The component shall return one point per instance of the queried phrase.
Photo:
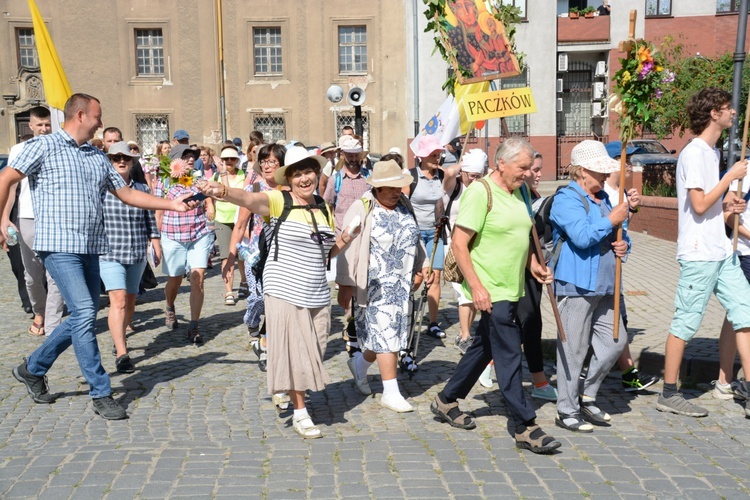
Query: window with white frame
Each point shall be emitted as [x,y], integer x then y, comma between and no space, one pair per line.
[727,6]
[267,51]
[150,129]
[656,8]
[352,49]
[26,44]
[149,52]
[273,127]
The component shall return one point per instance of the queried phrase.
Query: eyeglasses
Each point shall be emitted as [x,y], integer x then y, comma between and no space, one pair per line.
[473,177]
[119,158]
[321,238]
[726,108]
[269,163]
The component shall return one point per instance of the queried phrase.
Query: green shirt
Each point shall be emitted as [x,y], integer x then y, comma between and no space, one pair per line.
[226,212]
[500,249]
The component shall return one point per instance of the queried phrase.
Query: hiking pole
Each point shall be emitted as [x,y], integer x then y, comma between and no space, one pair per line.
[739,182]
[552,301]
[420,315]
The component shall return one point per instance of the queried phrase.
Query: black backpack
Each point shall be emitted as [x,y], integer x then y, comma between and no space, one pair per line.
[415,174]
[544,227]
[270,234]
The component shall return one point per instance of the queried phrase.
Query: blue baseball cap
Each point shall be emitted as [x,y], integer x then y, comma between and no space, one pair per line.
[181,134]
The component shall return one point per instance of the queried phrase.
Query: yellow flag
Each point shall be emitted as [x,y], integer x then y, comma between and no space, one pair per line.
[56,87]
[462,90]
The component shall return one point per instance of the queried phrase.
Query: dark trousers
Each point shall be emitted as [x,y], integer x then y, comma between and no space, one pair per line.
[498,337]
[529,319]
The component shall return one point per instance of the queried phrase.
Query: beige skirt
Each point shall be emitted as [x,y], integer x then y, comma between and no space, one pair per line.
[296,342]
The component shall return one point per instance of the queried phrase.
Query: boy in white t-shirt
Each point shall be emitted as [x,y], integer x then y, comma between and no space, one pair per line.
[704,253]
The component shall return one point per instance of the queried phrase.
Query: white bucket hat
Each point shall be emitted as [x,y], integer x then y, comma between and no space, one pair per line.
[474,161]
[593,156]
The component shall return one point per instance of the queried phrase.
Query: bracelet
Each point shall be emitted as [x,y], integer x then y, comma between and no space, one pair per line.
[222,174]
[223,191]
[633,210]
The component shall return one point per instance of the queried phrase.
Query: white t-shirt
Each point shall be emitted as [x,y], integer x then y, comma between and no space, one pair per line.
[613,193]
[699,237]
[743,244]
[25,208]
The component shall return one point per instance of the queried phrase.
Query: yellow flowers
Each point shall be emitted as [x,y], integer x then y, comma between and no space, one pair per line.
[185,180]
[626,77]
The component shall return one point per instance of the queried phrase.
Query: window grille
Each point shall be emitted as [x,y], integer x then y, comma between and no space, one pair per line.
[272,126]
[150,129]
[344,118]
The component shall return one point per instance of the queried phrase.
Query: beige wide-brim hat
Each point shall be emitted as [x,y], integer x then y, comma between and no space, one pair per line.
[298,157]
[389,174]
[229,152]
[593,156]
[327,147]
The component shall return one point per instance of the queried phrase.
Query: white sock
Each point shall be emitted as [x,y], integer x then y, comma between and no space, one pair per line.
[300,414]
[390,387]
[362,365]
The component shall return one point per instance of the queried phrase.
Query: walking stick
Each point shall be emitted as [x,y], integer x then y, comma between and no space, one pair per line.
[417,331]
[553,303]
[618,260]
[739,182]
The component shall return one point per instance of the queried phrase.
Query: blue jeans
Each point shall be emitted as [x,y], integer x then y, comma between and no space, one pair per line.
[77,277]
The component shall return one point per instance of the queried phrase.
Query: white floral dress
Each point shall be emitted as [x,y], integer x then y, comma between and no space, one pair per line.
[383,325]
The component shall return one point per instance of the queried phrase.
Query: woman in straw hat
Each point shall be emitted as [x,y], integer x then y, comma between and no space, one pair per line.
[378,272]
[298,310]
[584,219]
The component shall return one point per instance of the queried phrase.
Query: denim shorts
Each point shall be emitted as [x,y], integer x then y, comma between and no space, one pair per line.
[118,276]
[427,238]
[698,280]
[177,255]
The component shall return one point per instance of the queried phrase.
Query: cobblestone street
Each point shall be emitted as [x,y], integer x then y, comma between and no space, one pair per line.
[202,425]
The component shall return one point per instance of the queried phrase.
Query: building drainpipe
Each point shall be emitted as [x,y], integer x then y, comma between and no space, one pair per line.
[222,98]
[739,61]
[416,66]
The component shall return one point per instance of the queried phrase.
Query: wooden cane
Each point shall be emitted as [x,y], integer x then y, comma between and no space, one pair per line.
[553,303]
[618,260]
[739,182]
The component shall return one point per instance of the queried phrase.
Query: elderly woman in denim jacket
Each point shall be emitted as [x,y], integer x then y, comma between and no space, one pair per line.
[583,217]
[378,270]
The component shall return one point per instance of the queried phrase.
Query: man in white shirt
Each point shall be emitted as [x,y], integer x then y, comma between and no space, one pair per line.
[47,305]
[707,264]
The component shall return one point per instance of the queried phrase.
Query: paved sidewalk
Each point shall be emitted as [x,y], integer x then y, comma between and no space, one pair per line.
[202,424]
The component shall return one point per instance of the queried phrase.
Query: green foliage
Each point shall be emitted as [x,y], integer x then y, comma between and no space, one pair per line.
[438,24]
[659,189]
[588,10]
[638,87]
[574,10]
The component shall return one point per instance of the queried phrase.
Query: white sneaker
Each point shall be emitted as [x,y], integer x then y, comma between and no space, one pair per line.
[486,377]
[306,428]
[361,383]
[396,402]
[281,400]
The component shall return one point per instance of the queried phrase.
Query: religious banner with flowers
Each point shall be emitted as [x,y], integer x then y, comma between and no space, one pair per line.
[638,85]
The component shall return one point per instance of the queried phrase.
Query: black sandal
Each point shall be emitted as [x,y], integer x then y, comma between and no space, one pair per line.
[594,415]
[449,412]
[536,440]
[434,331]
[578,426]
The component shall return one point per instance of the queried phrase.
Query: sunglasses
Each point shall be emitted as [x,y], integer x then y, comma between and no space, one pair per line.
[119,158]
[321,238]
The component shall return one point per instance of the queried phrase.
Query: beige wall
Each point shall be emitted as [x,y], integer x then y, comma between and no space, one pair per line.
[97,52]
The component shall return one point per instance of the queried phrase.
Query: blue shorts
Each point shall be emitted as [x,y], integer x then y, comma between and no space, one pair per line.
[177,255]
[118,276]
[427,238]
[698,280]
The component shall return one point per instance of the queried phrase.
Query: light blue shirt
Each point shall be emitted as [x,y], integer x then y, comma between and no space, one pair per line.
[68,183]
[585,235]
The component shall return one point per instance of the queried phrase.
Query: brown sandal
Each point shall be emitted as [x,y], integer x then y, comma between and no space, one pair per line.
[536,440]
[36,330]
[449,412]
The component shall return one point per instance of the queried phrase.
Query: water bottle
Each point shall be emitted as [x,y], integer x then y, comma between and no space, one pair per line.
[248,254]
[12,236]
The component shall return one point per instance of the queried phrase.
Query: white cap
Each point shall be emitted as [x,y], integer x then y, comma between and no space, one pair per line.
[474,161]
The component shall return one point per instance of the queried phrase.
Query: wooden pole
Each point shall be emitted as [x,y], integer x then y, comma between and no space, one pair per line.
[739,183]
[553,302]
[618,260]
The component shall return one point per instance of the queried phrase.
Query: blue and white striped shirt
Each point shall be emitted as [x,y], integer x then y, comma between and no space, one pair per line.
[67,183]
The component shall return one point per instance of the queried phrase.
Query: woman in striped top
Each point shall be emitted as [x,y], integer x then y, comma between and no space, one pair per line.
[296,292]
